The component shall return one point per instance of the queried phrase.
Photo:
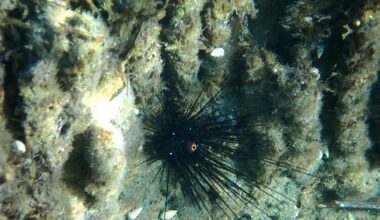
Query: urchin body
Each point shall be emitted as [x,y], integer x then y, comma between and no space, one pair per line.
[195,143]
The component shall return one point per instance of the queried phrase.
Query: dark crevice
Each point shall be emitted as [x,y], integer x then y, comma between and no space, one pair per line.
[14,63]
[206,8]
[66,76]
[12,103]
[268,31]
[64,121]
[77,170]
[329,196]
[373,154]
[338,50]
[328,120]
[207,63]
[327,64]
[169,75]
[25,42]
[333,64]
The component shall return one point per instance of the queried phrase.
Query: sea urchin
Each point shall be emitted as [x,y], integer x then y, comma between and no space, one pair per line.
[195,143]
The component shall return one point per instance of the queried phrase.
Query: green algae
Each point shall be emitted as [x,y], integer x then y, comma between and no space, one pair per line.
[85,69]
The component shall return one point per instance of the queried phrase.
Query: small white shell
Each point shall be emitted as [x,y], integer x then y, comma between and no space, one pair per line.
[320,155]
[217,52]
[315,72]
[136,111]
[18,147]
[168,214]
[308,19]
[134,213]
[357,23]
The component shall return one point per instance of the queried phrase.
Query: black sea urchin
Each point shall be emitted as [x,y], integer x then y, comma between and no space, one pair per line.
[195,143]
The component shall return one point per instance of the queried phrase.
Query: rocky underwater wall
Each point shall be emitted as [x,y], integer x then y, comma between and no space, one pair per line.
[77,77]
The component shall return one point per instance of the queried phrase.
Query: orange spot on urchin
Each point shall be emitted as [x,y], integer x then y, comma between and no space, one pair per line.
[191,146]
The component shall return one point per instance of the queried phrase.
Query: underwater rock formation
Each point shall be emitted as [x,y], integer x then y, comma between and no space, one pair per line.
[75,77]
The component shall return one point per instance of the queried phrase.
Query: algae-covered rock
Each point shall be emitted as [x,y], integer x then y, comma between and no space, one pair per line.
[76,77]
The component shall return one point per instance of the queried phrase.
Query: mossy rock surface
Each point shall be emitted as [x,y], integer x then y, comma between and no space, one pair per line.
[76,77]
